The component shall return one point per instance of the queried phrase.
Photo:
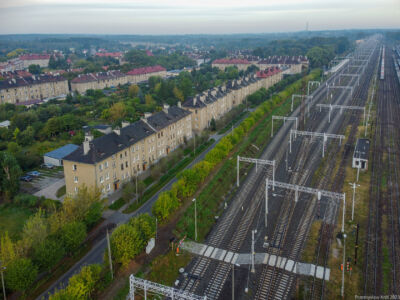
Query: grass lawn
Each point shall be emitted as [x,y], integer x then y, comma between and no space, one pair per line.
[12,219]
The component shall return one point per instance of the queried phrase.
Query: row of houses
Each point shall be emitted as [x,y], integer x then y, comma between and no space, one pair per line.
[214,103]
[109,161]
[24,61]
[294,64]
[26,89]
[102,80]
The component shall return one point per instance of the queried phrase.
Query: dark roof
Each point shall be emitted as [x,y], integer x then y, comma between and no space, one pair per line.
[62,152]
[362,149]
[284,60]
[19,81]
[193,102]
[107,145]
[162,119]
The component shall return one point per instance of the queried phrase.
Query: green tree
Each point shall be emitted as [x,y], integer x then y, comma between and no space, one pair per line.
[7,249]
[126,243]
[178,94]
[94,214]
[149,100]
[34,69]
[133,90]
[35,230]
[117,111]
[83,284]
[9,175]
[72,236]
[48,253]
[20,274]
[165,205]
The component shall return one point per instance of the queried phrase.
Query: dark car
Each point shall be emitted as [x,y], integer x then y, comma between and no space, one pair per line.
[46,166]
[26,178]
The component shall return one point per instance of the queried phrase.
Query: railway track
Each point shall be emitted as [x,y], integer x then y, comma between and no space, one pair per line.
[233,229]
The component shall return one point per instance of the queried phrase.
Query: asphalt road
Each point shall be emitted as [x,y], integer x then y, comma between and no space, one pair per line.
[95,255]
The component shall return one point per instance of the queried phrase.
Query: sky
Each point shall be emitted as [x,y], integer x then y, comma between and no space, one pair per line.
[193,16]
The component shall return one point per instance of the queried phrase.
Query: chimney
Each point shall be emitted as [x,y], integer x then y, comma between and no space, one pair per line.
[179,104]
[124,124]
[117,130]
[194,101]
[87,142]
[165,109]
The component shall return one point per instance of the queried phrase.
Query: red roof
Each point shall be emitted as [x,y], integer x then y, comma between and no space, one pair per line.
[149,53]
[232,61]
[34,56]
[268,72]
[109,54]
[146,70]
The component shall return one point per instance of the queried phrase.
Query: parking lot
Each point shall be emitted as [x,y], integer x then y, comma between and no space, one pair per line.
[47,178]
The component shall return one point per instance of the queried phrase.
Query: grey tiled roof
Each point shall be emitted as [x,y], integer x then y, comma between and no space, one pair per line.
[107,145]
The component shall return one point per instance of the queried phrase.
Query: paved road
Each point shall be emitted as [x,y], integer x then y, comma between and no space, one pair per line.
[95,255]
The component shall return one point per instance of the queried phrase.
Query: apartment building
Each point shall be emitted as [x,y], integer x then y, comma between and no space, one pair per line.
[214,103]
[294,63]
[241,64]
[109,161]
[100,80]
[35,59]
[22,89]
[143,74]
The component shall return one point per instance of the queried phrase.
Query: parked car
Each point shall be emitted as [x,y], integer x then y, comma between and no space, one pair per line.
[26,178]
[33,173]
[47,166]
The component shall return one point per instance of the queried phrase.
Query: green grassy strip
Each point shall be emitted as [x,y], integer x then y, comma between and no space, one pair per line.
[167,177]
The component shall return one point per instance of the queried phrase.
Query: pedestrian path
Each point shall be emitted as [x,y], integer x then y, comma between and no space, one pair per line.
[259,258]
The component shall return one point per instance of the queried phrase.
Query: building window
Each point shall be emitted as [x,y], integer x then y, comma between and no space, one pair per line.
[108,186]
[76,179]
[126,154]
[122,166]
[126,164]
[101,167]
[76,189]
[107,176]
[106,164]
[120,155]
[101,179]
[74,167]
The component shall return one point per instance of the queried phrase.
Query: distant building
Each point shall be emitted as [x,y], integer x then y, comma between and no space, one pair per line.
[241,64]
[294,63]
[98,81]
[19,89]
[361,154]
[143,74]
[55,157]
[35,59]
[216,102]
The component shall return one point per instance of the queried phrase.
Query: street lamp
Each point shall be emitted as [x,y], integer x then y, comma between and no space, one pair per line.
[195,219]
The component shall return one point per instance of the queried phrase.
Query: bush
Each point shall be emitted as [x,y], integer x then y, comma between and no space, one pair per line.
[26,200]
[48,253]
[72,235]
[20,274]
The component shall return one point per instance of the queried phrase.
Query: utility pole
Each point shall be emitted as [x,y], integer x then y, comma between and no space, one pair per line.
[195,219]
[253,270]
[156,227]
[109,255]
[266,202]
[353,186]
[343,266]
[2,280]
[137,199]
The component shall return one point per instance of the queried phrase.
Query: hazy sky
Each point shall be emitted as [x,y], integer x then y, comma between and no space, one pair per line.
[193,16]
